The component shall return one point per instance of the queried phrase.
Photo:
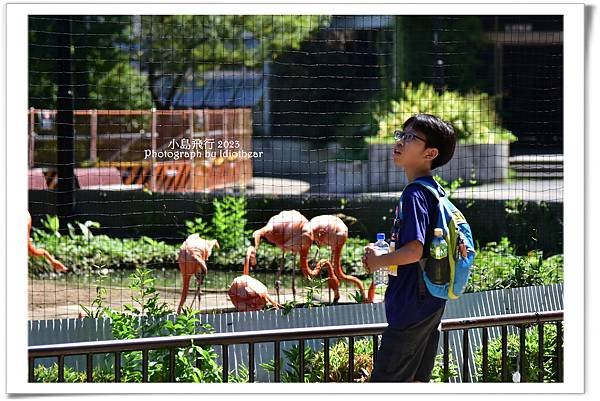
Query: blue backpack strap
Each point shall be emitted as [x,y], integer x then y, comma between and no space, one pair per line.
[436,189]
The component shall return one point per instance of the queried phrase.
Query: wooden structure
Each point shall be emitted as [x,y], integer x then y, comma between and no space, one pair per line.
[140,144]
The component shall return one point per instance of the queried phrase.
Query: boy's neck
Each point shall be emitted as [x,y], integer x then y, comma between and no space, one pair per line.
[416,173]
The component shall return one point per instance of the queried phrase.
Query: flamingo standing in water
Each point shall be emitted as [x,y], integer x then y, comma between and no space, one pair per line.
[331,231]
[193,254]
[33,251]
[290,231]
[246,293]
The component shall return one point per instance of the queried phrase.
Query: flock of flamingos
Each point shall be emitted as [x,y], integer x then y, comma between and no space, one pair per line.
[289,230]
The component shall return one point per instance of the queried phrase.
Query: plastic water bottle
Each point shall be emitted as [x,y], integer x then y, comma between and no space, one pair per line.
[437,267]
[380,276]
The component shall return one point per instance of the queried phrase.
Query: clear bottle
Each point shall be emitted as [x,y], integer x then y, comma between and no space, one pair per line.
[380,276]
[437,267]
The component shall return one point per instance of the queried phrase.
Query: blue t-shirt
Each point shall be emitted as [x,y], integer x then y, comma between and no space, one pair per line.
[403,306]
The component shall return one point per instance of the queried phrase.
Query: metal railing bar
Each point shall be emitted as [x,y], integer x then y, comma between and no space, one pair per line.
[559,359]
[117,366]
[446,355]
[277,354]
[485,350]
[522,351]
[326,358]
[350,358]
[225,350]
[541,352]
[251,362]
[375,348]
[172,365]
[504,353]
[89,369]
[61,368]
[293,334]
[301,357]
[31,370]
[465,348]
[144,366]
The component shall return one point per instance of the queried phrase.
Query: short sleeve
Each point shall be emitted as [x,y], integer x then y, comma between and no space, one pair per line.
[415,216]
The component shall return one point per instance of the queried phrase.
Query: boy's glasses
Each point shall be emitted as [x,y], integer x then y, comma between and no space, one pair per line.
[406,136]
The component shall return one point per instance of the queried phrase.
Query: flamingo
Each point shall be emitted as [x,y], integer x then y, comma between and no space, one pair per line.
[246,293]
[332,281]
[193,254]
[331,231]
[290,231]
[33,251]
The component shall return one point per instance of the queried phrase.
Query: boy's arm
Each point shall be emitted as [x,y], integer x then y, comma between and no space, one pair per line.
[414,231]
[409,253]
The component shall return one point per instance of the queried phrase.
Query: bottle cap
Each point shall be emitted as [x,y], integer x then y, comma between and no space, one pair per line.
[438,232]
[380,236]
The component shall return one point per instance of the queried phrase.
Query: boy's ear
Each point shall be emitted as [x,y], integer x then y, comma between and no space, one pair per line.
[431,153]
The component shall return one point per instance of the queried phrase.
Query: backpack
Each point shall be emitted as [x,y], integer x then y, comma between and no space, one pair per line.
[461,250]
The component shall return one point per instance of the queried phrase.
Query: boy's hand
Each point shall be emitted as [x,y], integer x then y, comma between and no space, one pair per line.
[368,258]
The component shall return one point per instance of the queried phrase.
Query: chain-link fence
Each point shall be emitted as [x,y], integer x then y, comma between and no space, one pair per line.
[144,130]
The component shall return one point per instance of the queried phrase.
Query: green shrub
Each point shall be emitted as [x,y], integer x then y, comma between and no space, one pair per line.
[82,251]
[531,356]
[472,115]
[496,266]
[146,316]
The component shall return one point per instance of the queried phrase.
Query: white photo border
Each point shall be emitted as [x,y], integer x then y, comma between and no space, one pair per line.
[16,180]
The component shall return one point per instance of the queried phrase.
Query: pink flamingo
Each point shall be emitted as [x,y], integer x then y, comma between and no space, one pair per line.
[193,254]
[331,231]
[246,293]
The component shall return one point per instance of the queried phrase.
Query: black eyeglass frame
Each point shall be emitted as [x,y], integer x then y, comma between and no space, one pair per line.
[400,135]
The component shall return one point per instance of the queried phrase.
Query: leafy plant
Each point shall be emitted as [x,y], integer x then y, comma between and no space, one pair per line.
[82,251]
[314,363]
[473,115]
[52,224]
[497,266]
[198,226]
[229,221]
[146,316]
[312,289]
[97,309]
[437,373]
[531,356]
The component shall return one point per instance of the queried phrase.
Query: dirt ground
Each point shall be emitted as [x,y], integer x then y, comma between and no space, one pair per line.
[52,299]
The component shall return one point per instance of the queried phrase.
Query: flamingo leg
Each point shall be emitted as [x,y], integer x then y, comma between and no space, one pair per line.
[278,277]
[184,291]
[294,278]
[199,282]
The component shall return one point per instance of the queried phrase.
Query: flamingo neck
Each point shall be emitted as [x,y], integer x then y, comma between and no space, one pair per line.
[246,270]
[306,270]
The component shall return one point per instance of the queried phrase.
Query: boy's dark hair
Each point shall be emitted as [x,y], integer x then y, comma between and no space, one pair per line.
[438,134]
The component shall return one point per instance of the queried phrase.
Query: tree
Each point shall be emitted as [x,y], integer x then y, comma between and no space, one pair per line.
[171,49]
[96,51]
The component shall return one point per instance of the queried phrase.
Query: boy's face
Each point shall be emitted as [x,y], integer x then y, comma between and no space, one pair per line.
[410,150]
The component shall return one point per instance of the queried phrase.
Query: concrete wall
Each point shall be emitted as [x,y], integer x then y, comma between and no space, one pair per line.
[484,163]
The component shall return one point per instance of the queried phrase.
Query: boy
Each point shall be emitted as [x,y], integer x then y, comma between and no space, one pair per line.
[409,344]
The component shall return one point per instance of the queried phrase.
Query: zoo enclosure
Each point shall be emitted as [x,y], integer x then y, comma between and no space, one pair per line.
[313,86]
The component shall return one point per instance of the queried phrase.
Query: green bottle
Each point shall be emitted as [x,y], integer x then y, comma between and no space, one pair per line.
[437,266]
